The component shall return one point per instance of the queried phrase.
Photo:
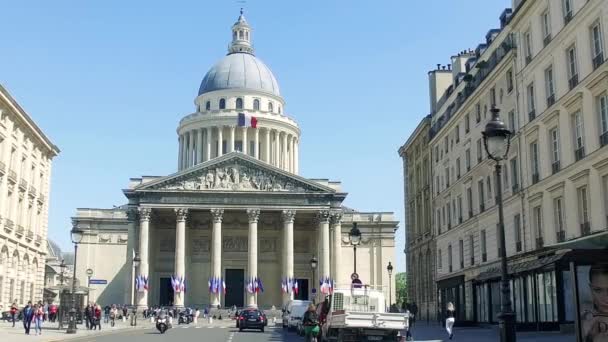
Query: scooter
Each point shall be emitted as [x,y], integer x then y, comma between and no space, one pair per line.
[162,324]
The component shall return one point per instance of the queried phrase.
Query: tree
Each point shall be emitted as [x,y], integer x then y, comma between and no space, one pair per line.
[401,288]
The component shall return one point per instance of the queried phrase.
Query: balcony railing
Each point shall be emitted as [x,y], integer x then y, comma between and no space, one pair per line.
[573,81]
[12,176]
[470,213]
[535,178]
[539,243]
[32,191]
[20,231]
[29,235]
[484,257]
[2,168]
[561,236]
[598,60]
[515,188]
[23,184]
[579,153]
[472,261]
[550,100]
[528,59]
[9,225]
[518,246]
[567,18]
[449,225]
[555,167]
[531,115]
[585,228]
[41,198]
[38,240]
[547,40]
[482,207]
[459,219]
[604,139]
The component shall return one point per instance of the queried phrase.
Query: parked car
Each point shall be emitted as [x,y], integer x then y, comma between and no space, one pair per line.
[289,316]
[252,319]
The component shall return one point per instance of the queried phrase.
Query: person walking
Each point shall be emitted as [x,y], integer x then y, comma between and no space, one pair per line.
[106,314]
[113,314]
[96,316]
[14,310]
[28,315]
[87,316]
[449,320]
[38,318]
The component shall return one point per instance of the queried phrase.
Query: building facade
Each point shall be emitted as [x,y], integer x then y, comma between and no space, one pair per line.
[25,170]
[419,233]
[236,211]
[544,69]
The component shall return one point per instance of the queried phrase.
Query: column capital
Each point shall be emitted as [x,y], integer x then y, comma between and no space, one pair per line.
[217,215]
[323,216]
[254,215]
[181,213]
[132,214]
[335,217]
[144,213]
[288,216]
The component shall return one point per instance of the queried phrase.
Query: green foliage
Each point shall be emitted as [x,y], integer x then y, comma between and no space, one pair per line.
[401,288]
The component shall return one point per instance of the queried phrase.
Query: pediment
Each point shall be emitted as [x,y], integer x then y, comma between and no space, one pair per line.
[235,172]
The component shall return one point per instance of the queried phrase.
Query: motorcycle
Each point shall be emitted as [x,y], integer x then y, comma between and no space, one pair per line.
[162,324]
[185,318]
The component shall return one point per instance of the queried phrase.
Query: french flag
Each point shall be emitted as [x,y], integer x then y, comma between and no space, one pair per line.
[246,120]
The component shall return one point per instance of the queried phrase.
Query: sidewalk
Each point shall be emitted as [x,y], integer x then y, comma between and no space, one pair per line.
[434,332]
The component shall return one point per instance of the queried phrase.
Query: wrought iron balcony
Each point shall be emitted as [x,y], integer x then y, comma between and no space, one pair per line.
[561,236]
[573,81]
[484,257]
[528,59]
[23,184]
[41,198]
[531,115]
[585,228]
[604,139]
[535,178]
[482,207]
[567,18]
[12,176]
[579,153]
[2,168]
[539,243]
[20,231]
[555,167]
[550,100]
[9,225]
[459,219]
[472,261]
[29,235]
[547,40]
[38,240]
[518,246]
[470,213]
[598,60]
[32,191]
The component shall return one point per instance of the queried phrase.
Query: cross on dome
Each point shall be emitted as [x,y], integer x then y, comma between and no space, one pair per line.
[241,36]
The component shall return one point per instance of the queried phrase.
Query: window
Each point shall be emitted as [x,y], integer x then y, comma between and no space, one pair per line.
[447,177]
[270,107]
[511,118]
[459,209]
[467,159]
[514,178]
[472,249]
[528,46]
[208,105]
[597,47]
[489,185]
[447,209]
[546,24]
[572,66]
[537,217]
[534,162]
[602,105]
[450,258]
[482,197]
[493,96]
[517,232]
[477,113]
[439,261]
[549,86]
[461,253]
[555,157]
[479,151]
[605,189]
[567,9]
[458,168]
[222,104]
[558,219]
[457,133]
[482,239]
[531,102]
[256,104]
[509,80]
[583,209]
[470,201]
[239,103]
[467,123]
[436,154]
[445,144]
[439,221]
[579,143]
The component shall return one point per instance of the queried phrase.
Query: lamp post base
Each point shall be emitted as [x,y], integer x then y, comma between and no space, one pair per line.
[72,323]
[506,324]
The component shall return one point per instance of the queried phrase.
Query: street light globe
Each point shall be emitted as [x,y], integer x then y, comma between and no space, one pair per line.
[313,262]
[89,272]
[77,234]
[496,137]
[354,235]
[389,268]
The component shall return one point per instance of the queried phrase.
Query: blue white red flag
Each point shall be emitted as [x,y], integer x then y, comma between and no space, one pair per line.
[246,120]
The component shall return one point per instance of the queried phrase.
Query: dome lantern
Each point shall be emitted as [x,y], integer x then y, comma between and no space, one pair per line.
[241,36]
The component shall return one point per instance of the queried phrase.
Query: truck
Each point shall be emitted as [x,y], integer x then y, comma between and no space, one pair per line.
[357,313]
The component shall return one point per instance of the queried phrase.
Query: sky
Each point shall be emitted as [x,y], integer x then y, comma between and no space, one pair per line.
[108,82]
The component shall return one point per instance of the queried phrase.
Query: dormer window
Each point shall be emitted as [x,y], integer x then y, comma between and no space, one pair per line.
[239,103]
[270,107]
[208,105]
[222,103]
[256,104]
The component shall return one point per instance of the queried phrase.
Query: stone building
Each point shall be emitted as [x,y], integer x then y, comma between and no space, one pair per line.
[25,171]
[236,210]
[544,69]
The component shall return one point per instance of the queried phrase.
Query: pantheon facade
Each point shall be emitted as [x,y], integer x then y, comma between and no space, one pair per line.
[236,210]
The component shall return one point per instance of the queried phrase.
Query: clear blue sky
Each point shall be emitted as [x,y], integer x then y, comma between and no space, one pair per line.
[109,80]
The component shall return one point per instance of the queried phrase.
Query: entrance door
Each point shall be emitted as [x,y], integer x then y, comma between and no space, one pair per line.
[302,290]
[166,292]
[235,288]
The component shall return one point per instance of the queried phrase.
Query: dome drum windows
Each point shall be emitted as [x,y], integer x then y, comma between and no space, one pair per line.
[270,107]
[222,103]
[208,105]
[256,104]
[239,103]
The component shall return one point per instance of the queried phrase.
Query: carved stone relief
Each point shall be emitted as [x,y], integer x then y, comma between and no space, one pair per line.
[200,245]
[234,244]
[268,245]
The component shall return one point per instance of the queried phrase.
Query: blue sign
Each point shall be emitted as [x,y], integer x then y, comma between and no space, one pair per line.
[98,282]
[314,290]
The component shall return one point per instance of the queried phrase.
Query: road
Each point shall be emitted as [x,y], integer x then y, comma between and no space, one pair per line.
[198,333]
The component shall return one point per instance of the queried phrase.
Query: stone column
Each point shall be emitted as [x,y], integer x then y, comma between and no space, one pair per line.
[296,157]
[144,253]
[244,139]
[256,147]
[220,140]
[180,153]
[336,260]
[254,215]
[276,149]
[323,218]
[284,154]
[231,142]
[216,257]
[180,252]
[287,153]
[288,218]
[267,147]
[208,134]
[199,146]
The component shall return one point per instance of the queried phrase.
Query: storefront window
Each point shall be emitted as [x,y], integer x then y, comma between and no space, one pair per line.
[481,302]
[547,302]
[495,292]
[568,296]
[531,295]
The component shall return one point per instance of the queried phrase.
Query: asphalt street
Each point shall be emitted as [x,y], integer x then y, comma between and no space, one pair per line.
[198,333]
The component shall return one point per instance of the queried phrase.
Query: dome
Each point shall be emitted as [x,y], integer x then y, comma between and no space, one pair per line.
[240,71]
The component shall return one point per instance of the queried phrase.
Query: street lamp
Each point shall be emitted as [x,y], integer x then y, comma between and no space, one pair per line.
[389,269]
[313,267]
[355,239]
[62,267]
[89,275]
[136,262]
[497,140]
[77,234]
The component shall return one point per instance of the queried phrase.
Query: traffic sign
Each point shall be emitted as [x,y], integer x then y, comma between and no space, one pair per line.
[98,282]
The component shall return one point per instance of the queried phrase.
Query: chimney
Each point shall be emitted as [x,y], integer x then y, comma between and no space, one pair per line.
[439,81]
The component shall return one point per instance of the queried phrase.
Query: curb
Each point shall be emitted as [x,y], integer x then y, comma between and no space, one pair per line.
[75,337]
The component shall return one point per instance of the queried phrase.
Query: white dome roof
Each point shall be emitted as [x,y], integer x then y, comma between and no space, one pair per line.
[240,71]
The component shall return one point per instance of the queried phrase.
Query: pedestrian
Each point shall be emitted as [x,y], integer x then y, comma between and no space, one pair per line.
[205,312]
[197,313]
[414,311]
[46,311]
[52,312]
[106,314]
[38,318]
[408,331]
[87,316]
[28,315]
[96,316]
[450,318]
[14,311]
[124,313]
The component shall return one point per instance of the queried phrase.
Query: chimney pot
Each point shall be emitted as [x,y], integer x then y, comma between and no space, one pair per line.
[438,66]
[449,66]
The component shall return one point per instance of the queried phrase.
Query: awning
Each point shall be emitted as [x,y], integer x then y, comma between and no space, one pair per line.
[598,240]
[523,266]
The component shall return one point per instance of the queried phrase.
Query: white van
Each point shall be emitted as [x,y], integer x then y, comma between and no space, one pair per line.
[293,313]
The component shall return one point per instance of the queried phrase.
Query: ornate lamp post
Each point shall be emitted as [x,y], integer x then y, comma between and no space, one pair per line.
[77,234]
[62,267]
[497,140]
[389,269]
[313,267]
[355,239]
[136,262]
[89,275]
